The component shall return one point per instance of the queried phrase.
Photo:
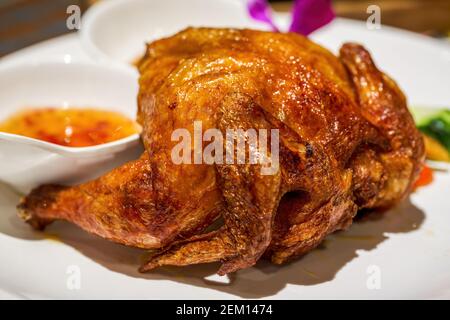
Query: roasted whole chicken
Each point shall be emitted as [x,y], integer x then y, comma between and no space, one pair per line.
[346,142]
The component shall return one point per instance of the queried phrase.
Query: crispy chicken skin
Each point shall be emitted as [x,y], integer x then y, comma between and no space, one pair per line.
[347,141]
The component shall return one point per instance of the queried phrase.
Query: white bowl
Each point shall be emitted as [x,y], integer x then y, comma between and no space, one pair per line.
[117,30]
[25,162]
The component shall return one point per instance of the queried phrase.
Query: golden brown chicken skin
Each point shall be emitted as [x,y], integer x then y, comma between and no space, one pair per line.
[347,141]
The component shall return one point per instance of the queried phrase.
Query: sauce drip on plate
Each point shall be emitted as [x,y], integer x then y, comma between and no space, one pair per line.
[73,127]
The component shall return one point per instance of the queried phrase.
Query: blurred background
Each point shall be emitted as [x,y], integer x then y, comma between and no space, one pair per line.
[24,22]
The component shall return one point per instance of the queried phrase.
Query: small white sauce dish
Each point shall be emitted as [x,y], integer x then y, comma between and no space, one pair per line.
[26,163]
[117,30]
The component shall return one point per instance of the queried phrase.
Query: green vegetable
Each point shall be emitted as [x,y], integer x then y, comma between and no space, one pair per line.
[435,125]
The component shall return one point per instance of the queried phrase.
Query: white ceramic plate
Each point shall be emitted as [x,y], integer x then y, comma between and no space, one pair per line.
[408,248]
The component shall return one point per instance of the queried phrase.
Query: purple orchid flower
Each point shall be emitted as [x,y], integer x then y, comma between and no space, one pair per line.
[310,15]
[307,15]
[260,10]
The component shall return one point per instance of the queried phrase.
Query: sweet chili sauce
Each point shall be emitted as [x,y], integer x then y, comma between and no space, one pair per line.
[71,127]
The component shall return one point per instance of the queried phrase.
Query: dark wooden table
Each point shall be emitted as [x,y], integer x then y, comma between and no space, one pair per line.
[24,22]
[431,17]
